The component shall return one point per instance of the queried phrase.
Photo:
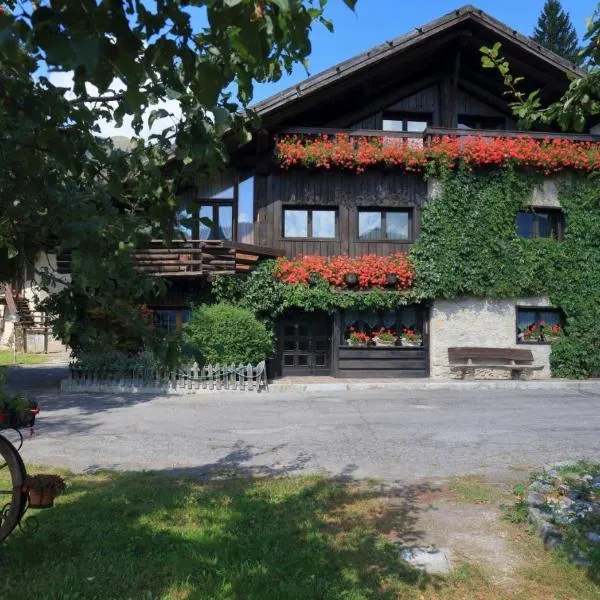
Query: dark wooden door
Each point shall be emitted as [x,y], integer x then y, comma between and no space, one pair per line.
[306,344]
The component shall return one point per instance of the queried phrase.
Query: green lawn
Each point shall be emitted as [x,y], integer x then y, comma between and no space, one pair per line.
[6,358]
[150,536]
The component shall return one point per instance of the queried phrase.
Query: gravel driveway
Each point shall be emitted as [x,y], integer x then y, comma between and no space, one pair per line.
[386,434]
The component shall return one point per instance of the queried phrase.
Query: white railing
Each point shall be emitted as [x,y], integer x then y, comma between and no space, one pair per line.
[185,380]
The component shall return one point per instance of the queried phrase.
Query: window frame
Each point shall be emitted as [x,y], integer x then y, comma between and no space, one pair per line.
[384,210]
[309,226]
[537,310]
[195,208]
[535,211]
[404,117]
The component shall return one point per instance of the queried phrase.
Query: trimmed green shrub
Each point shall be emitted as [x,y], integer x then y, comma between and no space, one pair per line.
[225,334]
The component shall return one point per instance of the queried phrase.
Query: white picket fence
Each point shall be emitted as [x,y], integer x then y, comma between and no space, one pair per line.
[187,380]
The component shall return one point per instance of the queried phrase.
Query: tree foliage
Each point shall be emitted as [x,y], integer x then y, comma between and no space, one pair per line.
[555,31]
[64,187]
[577,108]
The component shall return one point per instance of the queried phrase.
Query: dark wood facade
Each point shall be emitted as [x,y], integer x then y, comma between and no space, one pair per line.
[343,191]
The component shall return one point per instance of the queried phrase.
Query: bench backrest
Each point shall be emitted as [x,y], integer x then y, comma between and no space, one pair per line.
[462,354]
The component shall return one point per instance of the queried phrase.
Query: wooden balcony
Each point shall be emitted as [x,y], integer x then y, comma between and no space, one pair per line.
[423,138]
[196,258]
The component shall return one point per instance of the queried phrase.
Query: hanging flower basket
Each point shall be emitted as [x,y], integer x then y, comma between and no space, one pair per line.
[43,489]
[391,279]
[351,279]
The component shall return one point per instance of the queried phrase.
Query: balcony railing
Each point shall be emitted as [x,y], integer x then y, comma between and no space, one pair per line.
[420,138]
[194,258]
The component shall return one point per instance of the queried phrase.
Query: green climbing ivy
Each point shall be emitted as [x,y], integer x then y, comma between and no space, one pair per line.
[468,247]
[268,297]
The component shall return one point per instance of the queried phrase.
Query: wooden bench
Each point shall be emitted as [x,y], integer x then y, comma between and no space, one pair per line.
[515,360]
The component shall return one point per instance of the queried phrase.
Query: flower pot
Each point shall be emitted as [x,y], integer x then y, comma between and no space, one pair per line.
[351,279]
[410,344]
[40,498]
[19,418]
[379,342]
[352,343]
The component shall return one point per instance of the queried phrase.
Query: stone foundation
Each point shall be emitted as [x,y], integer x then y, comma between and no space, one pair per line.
[481,322]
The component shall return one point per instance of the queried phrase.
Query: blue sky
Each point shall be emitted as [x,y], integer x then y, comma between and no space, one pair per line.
[375,21]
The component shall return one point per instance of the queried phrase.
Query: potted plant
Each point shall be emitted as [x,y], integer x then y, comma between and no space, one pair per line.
[16,412]
[42,489]
[385,337]
[357,338]
[549,333]
[410,338]
[531,333]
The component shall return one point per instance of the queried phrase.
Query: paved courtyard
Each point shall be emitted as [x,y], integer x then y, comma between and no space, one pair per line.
[388,434]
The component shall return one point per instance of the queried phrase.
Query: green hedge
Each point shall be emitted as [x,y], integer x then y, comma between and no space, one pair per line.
[225,334]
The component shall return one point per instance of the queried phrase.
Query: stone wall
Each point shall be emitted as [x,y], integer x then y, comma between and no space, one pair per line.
[480,322]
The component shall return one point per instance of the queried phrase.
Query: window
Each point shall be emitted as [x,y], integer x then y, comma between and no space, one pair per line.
[207,221]
[538,325]
[473,122]
[540,223]
[394,121]
[406,317]
[170,319]
[384,224]
[309,223]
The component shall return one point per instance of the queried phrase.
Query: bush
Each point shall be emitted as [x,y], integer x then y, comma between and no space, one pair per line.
[225,334]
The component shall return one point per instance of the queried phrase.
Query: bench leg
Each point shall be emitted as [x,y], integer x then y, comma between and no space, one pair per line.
[469,373]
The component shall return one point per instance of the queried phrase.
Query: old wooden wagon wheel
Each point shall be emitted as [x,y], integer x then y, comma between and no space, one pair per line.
[13,500]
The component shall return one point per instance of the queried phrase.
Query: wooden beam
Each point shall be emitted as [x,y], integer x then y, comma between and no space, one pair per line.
[246,257]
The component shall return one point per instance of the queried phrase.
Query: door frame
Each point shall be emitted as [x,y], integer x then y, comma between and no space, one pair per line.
[280,371]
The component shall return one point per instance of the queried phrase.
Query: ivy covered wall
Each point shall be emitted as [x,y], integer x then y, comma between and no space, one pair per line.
[469,247]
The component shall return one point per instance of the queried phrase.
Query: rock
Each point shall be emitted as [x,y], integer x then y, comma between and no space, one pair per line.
[580,561]
[538,517]
[541,487]
[429,559]
[550,534]
[592,537]
[536,499]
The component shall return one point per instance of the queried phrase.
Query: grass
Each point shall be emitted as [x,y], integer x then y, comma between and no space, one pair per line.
[150,536]
[6,358]
[475,489]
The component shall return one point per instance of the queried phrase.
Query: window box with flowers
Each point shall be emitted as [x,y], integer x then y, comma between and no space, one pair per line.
[385,337]
[539,325]
[357,338]
[410,338]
